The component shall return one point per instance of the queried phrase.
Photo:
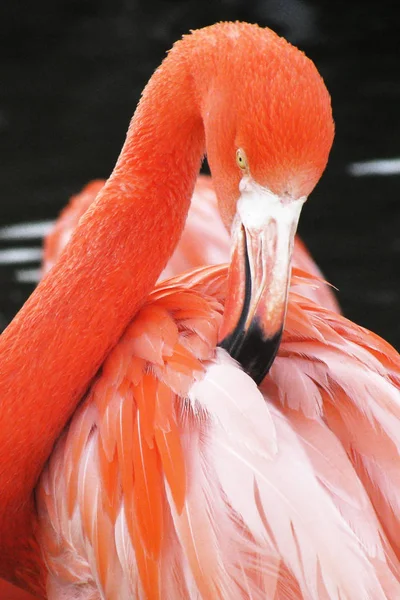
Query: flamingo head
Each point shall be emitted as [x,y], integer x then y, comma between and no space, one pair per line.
[269,131]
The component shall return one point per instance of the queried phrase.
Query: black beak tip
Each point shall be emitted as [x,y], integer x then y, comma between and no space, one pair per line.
[253,350]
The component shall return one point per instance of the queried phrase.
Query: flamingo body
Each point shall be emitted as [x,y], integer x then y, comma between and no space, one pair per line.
[177,476]
[163,381]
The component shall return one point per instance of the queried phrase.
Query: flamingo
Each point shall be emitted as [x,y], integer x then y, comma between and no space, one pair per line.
[178,477]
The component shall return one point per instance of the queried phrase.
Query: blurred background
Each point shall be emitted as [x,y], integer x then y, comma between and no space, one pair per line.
[71,75]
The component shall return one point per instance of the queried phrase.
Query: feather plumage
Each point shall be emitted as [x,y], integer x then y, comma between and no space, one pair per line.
[201,486]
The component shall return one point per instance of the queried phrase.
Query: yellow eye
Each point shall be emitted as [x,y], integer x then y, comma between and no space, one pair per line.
[241,159]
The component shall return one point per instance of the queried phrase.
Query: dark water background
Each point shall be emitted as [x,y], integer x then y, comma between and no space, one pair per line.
[71,75]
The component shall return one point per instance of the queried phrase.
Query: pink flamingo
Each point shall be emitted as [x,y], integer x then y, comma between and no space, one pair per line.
[178,478]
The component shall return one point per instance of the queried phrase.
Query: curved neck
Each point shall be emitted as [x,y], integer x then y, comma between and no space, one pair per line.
[56,343]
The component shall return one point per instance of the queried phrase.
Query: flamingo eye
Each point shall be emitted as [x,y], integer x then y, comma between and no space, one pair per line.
[241,159]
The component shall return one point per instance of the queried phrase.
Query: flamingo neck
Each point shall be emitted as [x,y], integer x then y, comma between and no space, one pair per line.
[54,346]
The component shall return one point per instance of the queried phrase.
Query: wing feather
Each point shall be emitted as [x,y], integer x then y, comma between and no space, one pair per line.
[298,515]
[354,383]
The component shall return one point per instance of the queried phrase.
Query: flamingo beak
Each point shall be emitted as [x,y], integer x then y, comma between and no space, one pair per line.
[263,234]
